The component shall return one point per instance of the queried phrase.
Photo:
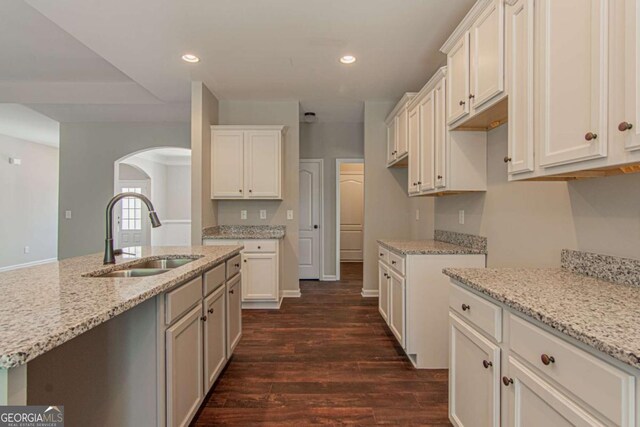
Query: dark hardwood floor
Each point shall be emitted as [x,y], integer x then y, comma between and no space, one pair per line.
[325,358]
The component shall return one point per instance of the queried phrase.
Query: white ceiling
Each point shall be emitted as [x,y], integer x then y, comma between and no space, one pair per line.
[128,52]
[21,122]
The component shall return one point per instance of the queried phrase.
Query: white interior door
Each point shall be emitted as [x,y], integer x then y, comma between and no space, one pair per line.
[309,237]
[132,226]
[351,215]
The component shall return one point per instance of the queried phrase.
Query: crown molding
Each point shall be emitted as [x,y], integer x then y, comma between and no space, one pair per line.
[429,86]
[465,24]
[404,101]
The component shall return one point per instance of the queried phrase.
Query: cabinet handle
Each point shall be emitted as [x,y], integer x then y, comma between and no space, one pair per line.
[210,311]
[506,381]
[590,136]
[625,126]
[487,364]
[462,102]
[507,159]
[203,318]
[231,291]
[546,359]
[466,307]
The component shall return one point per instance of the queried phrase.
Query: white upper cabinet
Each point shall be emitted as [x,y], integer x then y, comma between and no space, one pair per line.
[458,77]
[391,142]
[427,112]
[246,162]
[402,128]
[398,132]
[572,86]
[630,123]
[487,55]
[520,31]
[441,132]
[414,151]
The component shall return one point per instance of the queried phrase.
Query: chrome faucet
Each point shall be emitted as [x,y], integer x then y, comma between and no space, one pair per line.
[109,255]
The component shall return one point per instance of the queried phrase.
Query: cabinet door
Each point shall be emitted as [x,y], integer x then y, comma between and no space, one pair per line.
[414,151]
[234,313]
[215,330]
[263,164]
[534,402]
[520,59]
[458,80]
[403,133]
[184,368]
[474,377]
[572,79]
[391,141]
[427,142]
[227,164]
[487,55]
[441,142]
[383,291]
[632,72]
[397,306]
[260,272]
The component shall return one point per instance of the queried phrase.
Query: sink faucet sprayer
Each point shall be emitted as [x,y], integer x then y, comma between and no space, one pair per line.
[109,257]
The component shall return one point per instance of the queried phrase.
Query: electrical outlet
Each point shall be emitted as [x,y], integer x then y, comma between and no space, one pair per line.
[27,249]
[243,214]
[15,161]
[417,214]
[290,214]
[263,214]
[67,214]
[461,216]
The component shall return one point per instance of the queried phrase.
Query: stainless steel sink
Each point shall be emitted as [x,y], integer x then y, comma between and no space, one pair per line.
[135,272]
[163,263]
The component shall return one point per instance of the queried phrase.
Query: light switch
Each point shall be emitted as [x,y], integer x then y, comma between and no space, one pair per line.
[461,216]
[67,214]
[263,214]
[27,249]
[15,161]
[290,214]
[243,214]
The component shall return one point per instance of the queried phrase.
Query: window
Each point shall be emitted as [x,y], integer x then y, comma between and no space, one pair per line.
[131,210]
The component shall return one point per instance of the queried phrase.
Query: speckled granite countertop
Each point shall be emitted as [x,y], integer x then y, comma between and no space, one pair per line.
[427,247]
[243,232]
[599,313]
[45,306]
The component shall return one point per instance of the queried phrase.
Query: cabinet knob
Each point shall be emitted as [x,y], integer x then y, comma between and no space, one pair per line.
[315,227]
[466,307]
[487,364]
[240,190]
[237,265]
[439,177]
[393,262]
[231,291]
[259,247]
[381,254]
[507,159]
[203,318]
[506,381]
[471,96]
[625,126]
[250,191]
[547,360]
[419,182]
[245,260]
[462,103]
[414,184]
[590,136]
[210,311]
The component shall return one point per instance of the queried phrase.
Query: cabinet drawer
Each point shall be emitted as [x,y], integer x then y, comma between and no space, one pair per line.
[182,299]
[483,314]
[260,245]
[396,262]
[233,266]
[213,279]
[605,388]
[383,254]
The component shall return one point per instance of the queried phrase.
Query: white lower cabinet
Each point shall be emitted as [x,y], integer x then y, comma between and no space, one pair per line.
[234,307]
[383,290]
[215,348]
[184,347]
[397,307]
[546,380]
[474,377]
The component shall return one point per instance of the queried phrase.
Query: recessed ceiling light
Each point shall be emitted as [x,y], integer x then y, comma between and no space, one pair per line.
[348,59]
[190,58]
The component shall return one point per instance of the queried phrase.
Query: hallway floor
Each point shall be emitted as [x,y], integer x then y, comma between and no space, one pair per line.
[324,358]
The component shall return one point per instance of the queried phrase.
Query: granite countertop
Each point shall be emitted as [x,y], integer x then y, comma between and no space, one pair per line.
[427,247]
[244,232]
[45,306]
[599,313]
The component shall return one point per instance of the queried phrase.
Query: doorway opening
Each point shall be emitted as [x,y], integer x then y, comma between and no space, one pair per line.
[349,217]
[164,176]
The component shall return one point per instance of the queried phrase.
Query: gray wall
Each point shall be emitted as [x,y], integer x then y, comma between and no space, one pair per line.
[330,141]
[270,113]
[29,208]
[528,223]
[87,155]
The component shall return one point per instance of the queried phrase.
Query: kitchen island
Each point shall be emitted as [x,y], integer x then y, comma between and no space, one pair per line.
[102,346]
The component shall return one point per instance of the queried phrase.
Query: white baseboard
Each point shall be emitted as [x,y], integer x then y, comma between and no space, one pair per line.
[291,294]
[261,305]
[329,278]
[369,293]
[28,264]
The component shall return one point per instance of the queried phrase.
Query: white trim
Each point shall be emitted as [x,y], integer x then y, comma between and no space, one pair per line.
[403,103]
[280,128]
[321,219]
[338,163]
[369,293]
[28,264]
[329,278]
[291,294]
[262,305]
[176,221]
[465,25]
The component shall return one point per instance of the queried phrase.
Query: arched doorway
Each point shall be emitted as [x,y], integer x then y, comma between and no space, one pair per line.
[164,175]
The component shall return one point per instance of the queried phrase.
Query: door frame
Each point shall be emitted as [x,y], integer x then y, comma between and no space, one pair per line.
[145,224]
[338,163]
[320,162]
